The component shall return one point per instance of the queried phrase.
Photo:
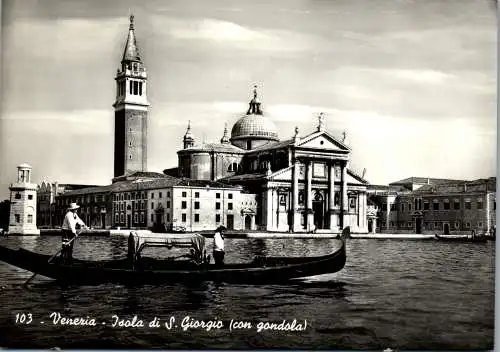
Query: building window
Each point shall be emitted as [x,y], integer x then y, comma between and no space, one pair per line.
[410,224]
[30,196]
[336,200]
[183,216]
[168,194]
[229,196]
[467,204]
[409,206]
[479,224]
[18,217]
[18,195]
[435,205]
[152,195]
[456,204]
[393,206]
[142,218]
[217,205]
[467,225]
[197,205]
[184,194]
[426,205]
[494,205]
[392,223]
[352,204]
[446,204]
[435,224]
[197,194]
[217,195]
[30,219]
[168,217]
[402,206]
[159,195]
[479,204]
[184,204]
[217,218]
[122,218]
[457,224]
[152,218]
[196,217]
[152,205]
[229,206]
[168,204]
[135,218]
[117,218]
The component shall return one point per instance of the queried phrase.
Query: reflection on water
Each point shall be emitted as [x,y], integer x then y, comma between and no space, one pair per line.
[398,294]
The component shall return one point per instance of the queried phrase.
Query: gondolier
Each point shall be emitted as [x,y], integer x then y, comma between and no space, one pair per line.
[71,220]
[218,251]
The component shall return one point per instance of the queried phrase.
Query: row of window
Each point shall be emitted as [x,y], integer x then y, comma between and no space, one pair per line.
[18,196]
[436,205]
[120,218]
[135,88]
[217,195]
[17,218]
[431,225]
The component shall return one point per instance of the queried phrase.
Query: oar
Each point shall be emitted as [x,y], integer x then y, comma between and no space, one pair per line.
[51,258]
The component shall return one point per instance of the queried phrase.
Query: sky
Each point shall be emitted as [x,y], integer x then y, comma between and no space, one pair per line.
[412,82]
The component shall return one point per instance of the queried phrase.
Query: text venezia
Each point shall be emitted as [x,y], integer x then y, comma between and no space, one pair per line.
[186,323]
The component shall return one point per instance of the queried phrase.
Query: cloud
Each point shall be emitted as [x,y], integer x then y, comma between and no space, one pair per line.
[63,38]
[77,122]
[232,35]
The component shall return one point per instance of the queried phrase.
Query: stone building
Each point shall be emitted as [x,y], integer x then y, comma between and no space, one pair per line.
[46,201]
[438,206]
[22,217]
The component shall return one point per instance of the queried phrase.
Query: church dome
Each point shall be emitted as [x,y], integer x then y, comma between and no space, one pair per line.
[254,125]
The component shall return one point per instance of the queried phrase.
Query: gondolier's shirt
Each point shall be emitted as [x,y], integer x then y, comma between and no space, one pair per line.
[218,242]
[71,220]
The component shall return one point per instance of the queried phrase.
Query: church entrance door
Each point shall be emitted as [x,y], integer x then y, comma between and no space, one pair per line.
[318,206]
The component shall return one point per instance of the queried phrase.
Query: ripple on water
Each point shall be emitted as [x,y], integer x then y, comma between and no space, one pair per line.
[398,294]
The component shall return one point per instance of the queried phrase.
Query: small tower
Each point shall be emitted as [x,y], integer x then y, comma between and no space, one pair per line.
[255,104]
[225,137]
[188,137]
[22,219]
[131,110]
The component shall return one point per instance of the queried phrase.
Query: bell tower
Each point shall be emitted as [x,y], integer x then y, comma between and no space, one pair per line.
[131,110]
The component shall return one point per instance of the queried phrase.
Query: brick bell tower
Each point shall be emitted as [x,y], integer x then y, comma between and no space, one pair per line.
[131,110]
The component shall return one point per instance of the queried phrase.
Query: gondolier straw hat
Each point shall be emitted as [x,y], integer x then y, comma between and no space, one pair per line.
[73,206]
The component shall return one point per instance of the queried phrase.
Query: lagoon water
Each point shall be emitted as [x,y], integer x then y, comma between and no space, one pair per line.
[391,294]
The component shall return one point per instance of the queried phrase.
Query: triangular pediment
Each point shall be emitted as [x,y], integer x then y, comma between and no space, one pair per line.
[324,141]
[281,175]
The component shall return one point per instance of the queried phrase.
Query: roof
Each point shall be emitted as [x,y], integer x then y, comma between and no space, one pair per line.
[244,177]
[186,182]
[131,52]
[425,180]
[213,147]
[271,145]
[138,174]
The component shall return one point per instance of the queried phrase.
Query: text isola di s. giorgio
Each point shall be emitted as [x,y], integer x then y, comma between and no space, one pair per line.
[185,323]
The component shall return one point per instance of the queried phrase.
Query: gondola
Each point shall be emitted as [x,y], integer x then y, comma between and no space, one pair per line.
[462,238]
[135,269]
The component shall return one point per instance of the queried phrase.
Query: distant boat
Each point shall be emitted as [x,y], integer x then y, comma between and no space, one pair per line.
[136,269]
[462,238]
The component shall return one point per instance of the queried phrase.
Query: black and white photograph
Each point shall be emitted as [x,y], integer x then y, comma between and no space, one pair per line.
[235,174]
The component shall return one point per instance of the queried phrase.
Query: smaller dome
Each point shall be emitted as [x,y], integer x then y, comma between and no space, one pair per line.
[24,166]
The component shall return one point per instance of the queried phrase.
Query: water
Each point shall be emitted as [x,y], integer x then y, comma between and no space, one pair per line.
[397,294]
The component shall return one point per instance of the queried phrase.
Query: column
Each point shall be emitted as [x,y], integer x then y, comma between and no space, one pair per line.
[269,209]
[343,203]
[252,222]
[310,215]
[331,197]
[295,196]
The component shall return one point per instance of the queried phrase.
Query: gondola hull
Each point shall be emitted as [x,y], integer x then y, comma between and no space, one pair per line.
[477,239]
[265,270]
